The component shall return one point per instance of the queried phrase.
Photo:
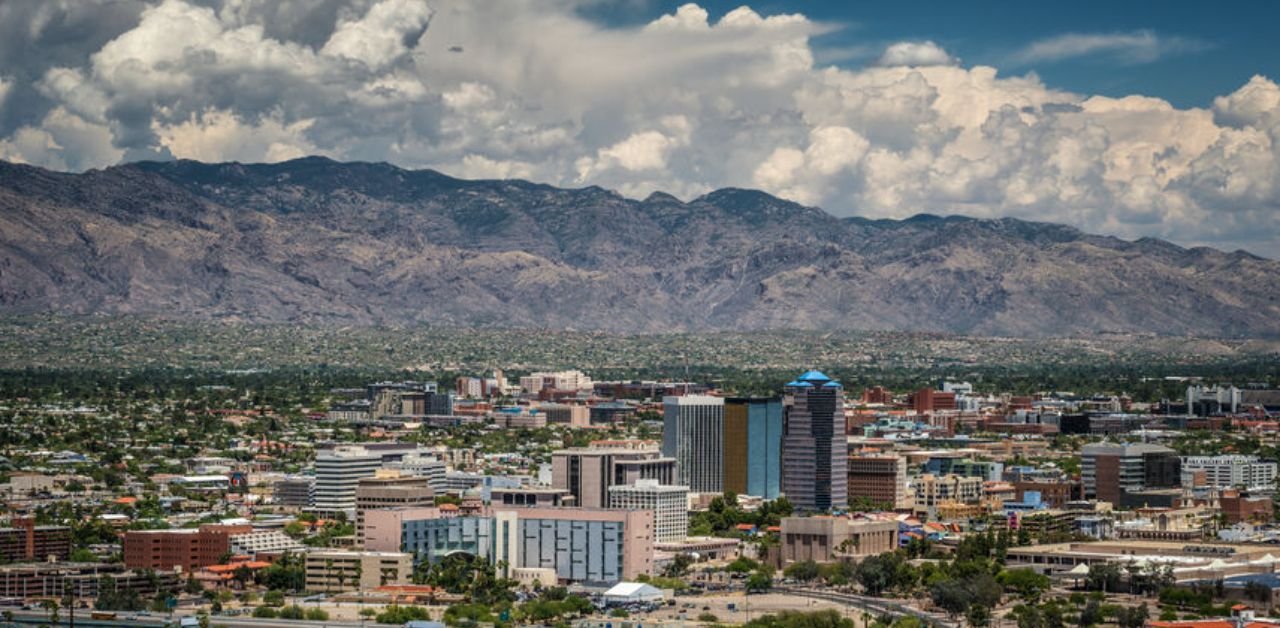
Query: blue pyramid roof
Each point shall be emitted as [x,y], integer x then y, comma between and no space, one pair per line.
[798,384]
[831,384]
[814,376]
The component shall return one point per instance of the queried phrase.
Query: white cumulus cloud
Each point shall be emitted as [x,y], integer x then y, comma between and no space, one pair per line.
[916,53]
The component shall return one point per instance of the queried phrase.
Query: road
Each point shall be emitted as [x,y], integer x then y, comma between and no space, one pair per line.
[129,619]
[874,605]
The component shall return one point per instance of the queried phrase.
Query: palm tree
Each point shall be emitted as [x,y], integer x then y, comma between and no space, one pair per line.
[328,568]
[52,607]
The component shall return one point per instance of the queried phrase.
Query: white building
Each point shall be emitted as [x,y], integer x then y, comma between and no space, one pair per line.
[670,506]
[1230,471]
[424,466]
[1204,400]
[693,434]
[268,541]
[338,472]
[559,380]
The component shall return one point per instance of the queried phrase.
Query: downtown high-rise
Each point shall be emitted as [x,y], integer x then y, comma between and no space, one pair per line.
[815,453]
[693,434]
[753,446]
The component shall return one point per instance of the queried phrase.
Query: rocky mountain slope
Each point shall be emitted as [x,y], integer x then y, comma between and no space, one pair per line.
[313,240]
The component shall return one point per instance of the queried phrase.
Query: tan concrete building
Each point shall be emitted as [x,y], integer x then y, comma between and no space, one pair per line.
[588,472]
[823,539]
[338,571]
[388,488]
[382,528]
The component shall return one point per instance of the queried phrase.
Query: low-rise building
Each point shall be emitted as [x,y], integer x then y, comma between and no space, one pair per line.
[338,571]
[823,539]
[188,548]
[932,490]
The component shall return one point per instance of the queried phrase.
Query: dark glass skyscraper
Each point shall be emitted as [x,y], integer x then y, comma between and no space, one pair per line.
[815,453]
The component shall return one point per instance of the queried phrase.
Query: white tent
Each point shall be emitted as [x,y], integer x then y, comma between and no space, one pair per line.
[1079,570]
[632,592]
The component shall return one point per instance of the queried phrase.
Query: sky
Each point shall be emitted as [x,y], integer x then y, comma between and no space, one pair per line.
[1108,116]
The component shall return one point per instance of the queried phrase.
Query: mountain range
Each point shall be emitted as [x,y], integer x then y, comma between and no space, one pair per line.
[317,241]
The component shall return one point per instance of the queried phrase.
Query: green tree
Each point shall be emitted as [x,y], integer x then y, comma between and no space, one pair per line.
[1026,583]
[804,571]
[292,612]
[1104,577]
[759,582]
[978,615]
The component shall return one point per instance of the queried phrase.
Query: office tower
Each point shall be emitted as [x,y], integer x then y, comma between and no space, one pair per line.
[815,454]
[338,472]
[879,478]
[1110,470]
[588,472]
[670,506]
[293,491]
[693,434]
[753,446]
[425,466]
[390,489]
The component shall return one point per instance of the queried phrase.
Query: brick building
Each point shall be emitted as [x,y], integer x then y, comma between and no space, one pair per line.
[1053,494]
[163,550]
[881,478]
[25,541]
[1239,508]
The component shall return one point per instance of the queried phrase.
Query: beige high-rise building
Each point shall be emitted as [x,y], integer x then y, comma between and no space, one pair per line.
[389,488]
[588,472]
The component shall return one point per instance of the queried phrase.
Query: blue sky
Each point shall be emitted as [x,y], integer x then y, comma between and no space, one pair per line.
[1212,47]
